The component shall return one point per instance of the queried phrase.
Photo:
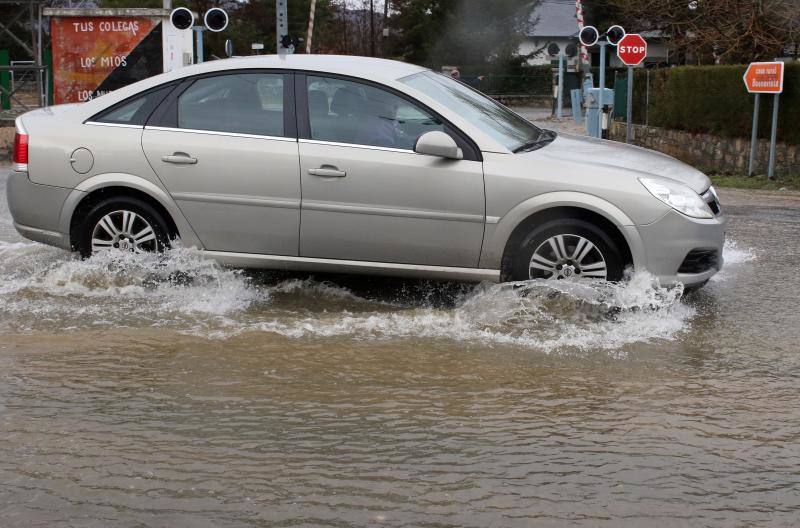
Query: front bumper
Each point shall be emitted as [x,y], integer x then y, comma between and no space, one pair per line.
[667,242]
[36,209]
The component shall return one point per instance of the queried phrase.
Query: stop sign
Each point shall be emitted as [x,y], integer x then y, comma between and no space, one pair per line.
[632,49]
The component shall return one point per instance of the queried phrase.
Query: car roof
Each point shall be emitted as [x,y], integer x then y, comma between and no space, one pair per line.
[381,71]
[365,67]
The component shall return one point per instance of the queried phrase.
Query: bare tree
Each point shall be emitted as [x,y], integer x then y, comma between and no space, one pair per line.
[718,31]
[357,23]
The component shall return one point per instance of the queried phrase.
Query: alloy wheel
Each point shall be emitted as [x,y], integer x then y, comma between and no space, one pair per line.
[124,230]
[567,256]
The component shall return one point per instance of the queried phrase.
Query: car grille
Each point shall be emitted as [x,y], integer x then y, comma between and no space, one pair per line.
[710,197]
[699,261]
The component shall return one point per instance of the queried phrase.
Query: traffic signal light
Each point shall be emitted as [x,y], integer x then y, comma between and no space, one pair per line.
[288,41]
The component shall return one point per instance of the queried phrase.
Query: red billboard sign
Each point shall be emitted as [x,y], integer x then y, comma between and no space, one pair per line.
[94,55]
[632,49]
[764,77]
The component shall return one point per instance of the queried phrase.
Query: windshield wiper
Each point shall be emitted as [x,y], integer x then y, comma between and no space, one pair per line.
[544,138]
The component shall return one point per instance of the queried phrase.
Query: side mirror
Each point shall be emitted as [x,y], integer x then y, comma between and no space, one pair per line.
[438,144]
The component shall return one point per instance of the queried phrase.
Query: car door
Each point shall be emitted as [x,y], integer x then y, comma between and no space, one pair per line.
[366,194]
[225,147]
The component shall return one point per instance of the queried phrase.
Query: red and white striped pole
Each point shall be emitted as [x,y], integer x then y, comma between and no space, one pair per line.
[310,25]
[579,16]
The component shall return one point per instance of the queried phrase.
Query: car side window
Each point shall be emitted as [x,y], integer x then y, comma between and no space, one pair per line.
[243,103]
[349,112]
[134,111]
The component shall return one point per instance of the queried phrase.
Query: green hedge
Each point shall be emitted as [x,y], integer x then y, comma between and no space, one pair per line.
[713,99]
[510,80]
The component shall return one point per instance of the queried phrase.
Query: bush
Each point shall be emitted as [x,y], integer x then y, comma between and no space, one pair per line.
[713,99]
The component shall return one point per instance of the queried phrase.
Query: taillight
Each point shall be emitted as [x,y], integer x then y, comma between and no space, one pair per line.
[19,157]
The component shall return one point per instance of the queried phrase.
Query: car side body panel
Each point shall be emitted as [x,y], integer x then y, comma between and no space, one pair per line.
[50,168]
[499,229]
[242,193]
[392,206]
[520,185]
[52,148]
[39,222]
[115,179]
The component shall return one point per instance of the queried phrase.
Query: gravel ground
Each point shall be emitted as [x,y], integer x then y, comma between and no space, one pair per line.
[542,117]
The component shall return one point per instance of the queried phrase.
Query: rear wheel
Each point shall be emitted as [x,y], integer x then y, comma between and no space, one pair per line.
[567,249]
[122,224]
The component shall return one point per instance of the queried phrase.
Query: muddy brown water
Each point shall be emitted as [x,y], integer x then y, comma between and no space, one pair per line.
[143,391]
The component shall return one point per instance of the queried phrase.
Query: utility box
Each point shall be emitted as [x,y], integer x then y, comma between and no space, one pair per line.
[592,102]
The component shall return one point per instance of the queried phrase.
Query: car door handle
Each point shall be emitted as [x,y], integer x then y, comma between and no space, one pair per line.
[327,172]
[179,158]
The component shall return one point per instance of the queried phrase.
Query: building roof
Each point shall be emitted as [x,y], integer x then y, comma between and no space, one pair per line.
[554,18]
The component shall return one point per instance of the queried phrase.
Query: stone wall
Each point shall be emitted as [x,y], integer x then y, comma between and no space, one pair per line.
[709,153]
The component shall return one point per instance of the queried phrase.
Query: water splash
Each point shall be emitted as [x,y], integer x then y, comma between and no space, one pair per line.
[45,289]
[733,256]
[540,314]
[123,289]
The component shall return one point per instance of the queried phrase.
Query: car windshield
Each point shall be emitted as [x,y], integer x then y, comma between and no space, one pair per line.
[511,130]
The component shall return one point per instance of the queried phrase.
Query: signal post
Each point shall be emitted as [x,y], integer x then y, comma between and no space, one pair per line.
[766,78]
[631,50]
[589,36]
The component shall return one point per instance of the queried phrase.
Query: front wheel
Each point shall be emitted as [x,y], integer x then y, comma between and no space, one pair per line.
[567,249]
[123,224]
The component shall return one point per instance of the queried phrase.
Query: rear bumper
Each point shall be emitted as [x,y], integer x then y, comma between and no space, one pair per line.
[36,209]
[51,238]
[668,241]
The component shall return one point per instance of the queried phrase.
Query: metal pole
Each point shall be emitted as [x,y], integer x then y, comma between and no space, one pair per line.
[39,38]
[647,102]
[773,137]
[198,38]
[628,130]
[602,86]
[560,95]
[385,25]
[372,28]
[40,58]
[282,26]
[310,25]
[754,137]
[37,52]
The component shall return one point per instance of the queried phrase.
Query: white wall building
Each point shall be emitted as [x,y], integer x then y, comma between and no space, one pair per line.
[555,21]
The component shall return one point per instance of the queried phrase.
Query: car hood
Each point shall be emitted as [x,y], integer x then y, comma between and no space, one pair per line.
[619,157]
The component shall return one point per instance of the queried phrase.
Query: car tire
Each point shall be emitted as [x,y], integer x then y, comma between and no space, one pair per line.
[139,227]
[558,242]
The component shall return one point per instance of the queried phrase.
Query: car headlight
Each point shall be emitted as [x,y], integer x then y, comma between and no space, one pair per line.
[678,196]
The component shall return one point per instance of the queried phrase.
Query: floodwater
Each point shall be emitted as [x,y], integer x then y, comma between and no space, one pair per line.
[150,391]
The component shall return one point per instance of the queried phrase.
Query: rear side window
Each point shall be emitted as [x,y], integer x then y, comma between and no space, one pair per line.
[133,111]
[245,103]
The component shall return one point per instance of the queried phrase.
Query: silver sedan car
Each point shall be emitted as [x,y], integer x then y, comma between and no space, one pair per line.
[358,165]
